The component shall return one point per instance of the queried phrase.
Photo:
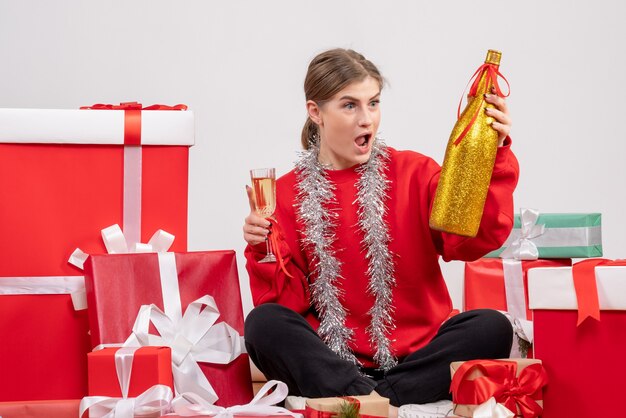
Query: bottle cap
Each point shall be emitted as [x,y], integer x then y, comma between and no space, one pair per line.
[493,57]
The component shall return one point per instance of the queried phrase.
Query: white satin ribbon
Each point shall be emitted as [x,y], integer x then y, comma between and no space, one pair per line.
[523,248]
[157,399]
[51,285]
[132,194]
[492,409]
[514,287]
[263,404]
[193,337]
[516,303]
[116,243]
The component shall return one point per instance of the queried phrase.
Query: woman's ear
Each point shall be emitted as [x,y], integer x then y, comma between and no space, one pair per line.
[314,112]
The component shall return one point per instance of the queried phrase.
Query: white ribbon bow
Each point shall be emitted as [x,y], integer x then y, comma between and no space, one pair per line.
[263,404]
[157,399]
[193,338]
[492,409]
[116,243]
[524,248]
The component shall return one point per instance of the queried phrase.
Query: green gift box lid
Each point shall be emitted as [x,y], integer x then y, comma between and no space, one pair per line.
[566,235]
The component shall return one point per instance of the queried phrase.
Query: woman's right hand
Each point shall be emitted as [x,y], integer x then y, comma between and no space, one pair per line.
[255,228]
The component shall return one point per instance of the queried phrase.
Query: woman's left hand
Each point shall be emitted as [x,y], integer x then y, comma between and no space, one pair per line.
[500,114]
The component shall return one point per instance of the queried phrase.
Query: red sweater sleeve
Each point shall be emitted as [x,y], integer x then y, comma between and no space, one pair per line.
[268,282]
[497,220]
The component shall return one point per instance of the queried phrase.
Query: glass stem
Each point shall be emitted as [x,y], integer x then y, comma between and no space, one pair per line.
[269,246]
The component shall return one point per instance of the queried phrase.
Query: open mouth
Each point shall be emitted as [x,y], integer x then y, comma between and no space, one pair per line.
[363,140]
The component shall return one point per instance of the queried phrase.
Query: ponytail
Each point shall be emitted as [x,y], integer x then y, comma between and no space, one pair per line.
[309,133]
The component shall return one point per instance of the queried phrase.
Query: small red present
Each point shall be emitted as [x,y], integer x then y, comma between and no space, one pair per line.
[515,383]
[193,301]
[129,381]
[150,366]
[582,355]
[367,406]
[65,174]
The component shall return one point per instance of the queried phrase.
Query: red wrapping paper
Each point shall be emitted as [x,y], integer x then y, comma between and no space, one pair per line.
[43,340]
[117,285]
[151,366]
[484,282]
[585,363]
[56,197]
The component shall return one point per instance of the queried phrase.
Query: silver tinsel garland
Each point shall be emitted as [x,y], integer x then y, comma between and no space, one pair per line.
[315,196]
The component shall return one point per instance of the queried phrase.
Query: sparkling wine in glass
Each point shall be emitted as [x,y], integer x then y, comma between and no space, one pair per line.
[264,189]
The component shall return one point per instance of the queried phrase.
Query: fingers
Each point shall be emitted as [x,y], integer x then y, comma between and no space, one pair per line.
[255,229]
[250,193]
[497,101]
[500,114]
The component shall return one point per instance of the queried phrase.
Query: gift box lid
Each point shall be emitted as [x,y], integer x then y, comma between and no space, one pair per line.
[84,126]
[553,288]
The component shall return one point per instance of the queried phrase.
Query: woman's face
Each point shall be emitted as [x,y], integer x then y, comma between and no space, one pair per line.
[348,123]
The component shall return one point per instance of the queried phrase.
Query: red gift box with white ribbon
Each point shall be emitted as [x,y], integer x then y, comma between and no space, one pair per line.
[579,315]
[190,302]
[64,175]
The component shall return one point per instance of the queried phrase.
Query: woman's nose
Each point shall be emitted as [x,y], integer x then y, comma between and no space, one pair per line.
[365,119]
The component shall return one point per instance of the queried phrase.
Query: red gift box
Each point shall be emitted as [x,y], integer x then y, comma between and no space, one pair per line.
[585,362]
[150,366]
[485,283]
[61,181]
[119,285]
[516,383]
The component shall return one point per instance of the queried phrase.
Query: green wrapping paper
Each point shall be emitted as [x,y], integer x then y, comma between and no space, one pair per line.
[564,235]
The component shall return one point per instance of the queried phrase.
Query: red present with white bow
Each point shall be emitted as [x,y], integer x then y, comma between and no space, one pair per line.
[579,319]
[188,301]
[140,393]
[67,173]
[63,175]
[140,368]
[501,284]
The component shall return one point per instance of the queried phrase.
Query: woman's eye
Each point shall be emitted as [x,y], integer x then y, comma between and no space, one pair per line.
[374,103]
[349,106]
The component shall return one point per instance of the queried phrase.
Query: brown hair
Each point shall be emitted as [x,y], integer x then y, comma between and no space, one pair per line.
[328,73]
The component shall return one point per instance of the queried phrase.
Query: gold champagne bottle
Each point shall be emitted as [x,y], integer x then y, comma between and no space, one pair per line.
[468,163]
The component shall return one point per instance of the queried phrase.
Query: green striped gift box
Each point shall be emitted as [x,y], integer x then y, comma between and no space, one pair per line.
[566,235]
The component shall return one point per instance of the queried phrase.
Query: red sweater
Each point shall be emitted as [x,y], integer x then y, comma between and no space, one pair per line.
[420,297]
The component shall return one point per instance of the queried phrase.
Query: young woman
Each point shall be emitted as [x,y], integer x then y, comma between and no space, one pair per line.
[360,304]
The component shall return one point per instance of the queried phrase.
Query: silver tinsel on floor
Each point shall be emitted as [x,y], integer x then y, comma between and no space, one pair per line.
[316,198]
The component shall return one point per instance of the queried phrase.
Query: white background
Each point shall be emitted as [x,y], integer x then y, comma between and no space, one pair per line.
[239,65]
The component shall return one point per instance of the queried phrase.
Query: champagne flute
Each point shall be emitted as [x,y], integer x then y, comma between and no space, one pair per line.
[264,189]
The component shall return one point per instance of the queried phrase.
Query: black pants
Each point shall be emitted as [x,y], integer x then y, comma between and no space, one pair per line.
[285,347]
